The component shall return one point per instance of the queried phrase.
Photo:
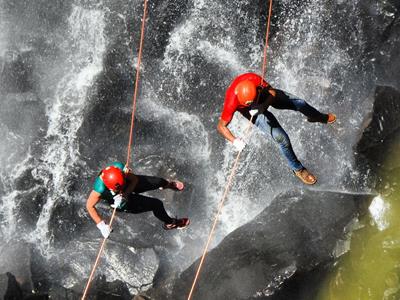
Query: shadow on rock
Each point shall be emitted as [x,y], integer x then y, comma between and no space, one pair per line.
[296,234]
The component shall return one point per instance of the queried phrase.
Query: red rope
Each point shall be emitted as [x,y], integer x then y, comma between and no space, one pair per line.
[264,65]
[129,144]
[233,171]
[136,83]
[220,206]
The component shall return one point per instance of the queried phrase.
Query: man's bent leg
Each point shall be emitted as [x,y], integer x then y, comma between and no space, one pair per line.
[280,136]
[138,204]
[269,125]
[288,101]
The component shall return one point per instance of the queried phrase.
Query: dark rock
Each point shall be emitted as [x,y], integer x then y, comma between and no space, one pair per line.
[40,297]
[124,269]
[99,289]
[26,180]
[9,288]
[295,234]
[62,229]
[16,259]
[16,73]
[301,286]
[30,206]
[139,297]
[24,115]
[59,292]
[163,16]
[111,290]
[187,80]
[381,135]
[387,58]
[43,15]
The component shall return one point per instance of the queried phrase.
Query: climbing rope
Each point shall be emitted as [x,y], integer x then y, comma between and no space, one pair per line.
[264,66]
[136,83]
[234,167]
[129,143]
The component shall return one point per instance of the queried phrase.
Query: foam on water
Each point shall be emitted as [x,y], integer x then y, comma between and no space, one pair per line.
[84,47]
[65,111]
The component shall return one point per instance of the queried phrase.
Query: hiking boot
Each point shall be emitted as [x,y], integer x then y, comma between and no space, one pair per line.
[177,224]
[305,176]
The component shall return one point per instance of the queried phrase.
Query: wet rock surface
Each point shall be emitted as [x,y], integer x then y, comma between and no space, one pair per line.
[16,260]
[276,255]
[295,235]
[381,135]
[9,288]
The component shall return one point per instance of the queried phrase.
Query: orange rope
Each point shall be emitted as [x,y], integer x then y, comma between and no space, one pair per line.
[129,145]
[220,206]
[136,82]
[264,66]
[233,171]
[97,260]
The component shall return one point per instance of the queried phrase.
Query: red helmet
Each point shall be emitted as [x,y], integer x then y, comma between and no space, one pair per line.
[113,178]
[246,92]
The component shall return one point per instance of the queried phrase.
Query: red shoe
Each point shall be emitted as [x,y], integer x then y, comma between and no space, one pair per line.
[177,224]
[331,118]
[176,185]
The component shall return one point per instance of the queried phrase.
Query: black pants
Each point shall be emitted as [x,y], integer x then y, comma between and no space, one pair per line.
[137,203]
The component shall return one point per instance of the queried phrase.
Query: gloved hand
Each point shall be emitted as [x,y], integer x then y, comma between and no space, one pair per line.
[127,170]
[239,144]
[119,201]
[104,229]
[253,112]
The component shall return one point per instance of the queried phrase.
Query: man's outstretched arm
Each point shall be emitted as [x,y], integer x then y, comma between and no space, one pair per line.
[91,202]
[223,129]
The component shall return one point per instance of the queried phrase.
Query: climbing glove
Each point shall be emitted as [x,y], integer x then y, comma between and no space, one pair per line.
[119,201]
[253,112]
[104,229]
[238,144]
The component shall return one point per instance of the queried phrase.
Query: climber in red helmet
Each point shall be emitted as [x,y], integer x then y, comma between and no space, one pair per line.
[122,190]
[251,96]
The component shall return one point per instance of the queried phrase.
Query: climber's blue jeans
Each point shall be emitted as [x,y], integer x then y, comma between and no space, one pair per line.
[269,125]
[286,100]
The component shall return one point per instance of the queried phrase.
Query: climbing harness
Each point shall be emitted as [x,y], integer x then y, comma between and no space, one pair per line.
[234,168]
[129,143]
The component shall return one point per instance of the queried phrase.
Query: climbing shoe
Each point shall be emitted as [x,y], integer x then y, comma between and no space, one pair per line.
[323,118]
[177,224]
[305,176]
[176,185]
[331,118]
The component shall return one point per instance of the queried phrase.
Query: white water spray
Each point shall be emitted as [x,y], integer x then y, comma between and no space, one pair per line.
[66,111]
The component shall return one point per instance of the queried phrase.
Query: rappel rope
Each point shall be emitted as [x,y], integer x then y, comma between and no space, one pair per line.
[235,164]
[129,143]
